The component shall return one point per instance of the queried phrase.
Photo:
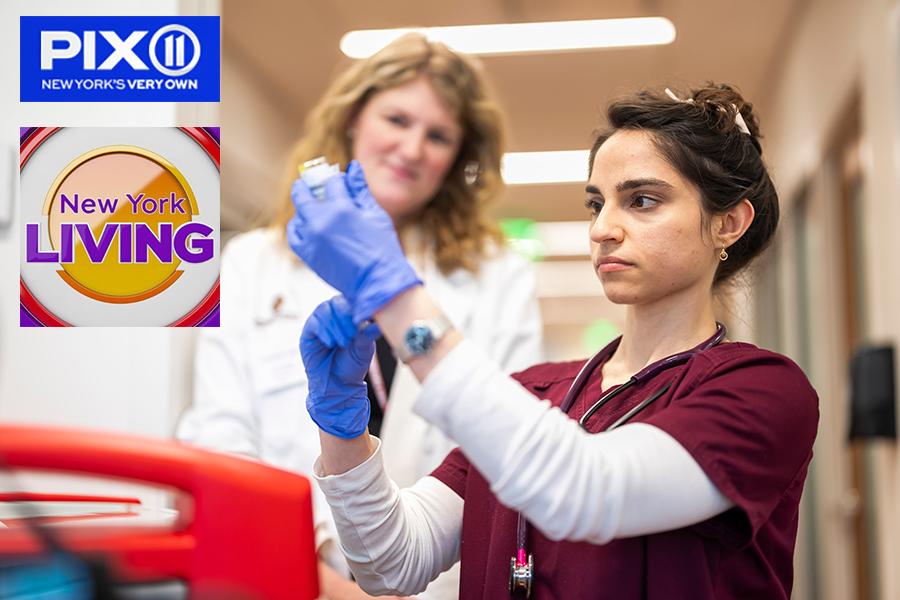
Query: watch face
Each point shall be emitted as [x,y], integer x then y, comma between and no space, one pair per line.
[419,339]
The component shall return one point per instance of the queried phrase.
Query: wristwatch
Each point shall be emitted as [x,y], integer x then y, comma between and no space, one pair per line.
[422,336]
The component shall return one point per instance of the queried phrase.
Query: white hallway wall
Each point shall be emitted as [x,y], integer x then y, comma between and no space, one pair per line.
[840,46]
[132,380]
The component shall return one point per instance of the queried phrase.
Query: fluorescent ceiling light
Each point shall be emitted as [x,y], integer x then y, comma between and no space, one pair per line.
[524,37]
[562,166]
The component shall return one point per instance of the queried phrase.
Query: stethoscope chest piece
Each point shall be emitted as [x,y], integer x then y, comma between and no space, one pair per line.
[521,576]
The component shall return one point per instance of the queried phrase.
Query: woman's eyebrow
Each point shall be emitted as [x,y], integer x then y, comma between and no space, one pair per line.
[632,184]
[642,182]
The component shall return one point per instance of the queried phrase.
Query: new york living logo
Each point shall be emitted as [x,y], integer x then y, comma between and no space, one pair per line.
[119,58]
[120,226]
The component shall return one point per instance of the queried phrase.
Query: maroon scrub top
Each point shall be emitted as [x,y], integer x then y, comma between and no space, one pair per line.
[747,416]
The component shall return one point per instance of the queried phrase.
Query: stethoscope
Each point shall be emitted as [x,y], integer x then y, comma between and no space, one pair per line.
[521,566]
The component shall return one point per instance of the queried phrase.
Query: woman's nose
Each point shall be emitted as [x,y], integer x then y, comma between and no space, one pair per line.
[413,145]
[606,226]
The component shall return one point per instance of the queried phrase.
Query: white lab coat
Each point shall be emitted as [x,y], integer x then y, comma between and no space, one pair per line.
[250,387]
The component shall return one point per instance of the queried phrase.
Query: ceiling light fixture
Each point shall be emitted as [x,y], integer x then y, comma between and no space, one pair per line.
[554,36]
[563,166]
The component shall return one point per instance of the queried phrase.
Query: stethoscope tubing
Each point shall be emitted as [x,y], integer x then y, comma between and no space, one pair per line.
[580,381]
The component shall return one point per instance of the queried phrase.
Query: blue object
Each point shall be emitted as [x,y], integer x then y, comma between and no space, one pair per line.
[350,242]
[336,357]
[119,58]
[54,577]
[419,339]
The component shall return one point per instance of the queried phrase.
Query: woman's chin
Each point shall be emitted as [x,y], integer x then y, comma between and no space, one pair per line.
[393,200]
[617,293]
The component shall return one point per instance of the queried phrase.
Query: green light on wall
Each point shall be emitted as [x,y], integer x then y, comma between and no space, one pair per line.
[522,235]
[598,334]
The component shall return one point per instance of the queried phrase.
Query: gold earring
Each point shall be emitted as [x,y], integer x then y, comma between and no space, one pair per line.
[723,256]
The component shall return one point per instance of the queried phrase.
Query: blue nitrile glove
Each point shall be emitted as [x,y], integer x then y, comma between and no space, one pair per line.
[350,242]
[336,358]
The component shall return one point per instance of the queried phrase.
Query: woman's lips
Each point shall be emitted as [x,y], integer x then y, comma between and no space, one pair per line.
[401,172]
[611,264]
[612,267]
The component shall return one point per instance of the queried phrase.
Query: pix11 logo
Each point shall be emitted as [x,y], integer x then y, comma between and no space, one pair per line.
[121,59]
[119,226]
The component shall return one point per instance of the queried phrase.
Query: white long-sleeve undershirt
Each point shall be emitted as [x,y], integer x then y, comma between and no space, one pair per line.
[395,541]
[572,485]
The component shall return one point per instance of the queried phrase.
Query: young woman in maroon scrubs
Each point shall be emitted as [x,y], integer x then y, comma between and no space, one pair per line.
[668,466]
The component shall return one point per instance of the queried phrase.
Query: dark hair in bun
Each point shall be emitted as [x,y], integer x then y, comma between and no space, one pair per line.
[700,136]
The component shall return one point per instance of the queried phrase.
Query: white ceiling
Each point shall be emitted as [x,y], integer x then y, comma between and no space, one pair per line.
[553,101]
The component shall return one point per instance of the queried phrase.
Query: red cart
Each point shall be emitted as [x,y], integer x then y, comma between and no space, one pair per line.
[243,530]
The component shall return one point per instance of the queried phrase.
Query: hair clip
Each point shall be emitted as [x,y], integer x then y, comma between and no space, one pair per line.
[738,118]
[672,95]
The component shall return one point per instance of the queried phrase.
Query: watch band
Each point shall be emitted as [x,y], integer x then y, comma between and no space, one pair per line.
[422,336]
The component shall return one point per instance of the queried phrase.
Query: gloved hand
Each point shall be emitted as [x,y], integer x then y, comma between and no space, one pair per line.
[350,242]
[336,358]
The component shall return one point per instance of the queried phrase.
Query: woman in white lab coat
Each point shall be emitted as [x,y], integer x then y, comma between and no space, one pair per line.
[418,118]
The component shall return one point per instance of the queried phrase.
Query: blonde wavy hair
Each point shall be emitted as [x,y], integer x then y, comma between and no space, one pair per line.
[455,220]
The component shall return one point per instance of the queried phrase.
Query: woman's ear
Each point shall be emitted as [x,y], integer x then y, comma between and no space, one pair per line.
[732,224]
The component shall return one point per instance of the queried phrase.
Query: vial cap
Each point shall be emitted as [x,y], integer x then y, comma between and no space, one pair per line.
[316,171]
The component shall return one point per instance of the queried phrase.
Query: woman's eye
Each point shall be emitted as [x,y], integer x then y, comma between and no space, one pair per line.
[644,202]
[595,205]
[398,120]
[439,138]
